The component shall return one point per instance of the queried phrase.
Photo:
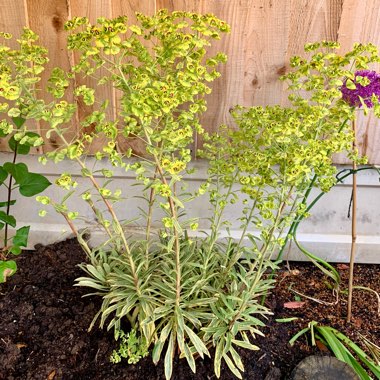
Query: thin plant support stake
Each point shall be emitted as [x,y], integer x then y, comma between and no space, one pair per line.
[353,227]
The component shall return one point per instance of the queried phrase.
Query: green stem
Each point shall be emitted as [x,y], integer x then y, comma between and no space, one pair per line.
[236,256]
[353,228]
[294,225]
[149,220]
[173,212]
[119,228]
[263,258]
[177,251]
[218,211]
[9,196]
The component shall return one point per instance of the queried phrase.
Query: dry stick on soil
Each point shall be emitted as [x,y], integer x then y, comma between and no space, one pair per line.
[353,227]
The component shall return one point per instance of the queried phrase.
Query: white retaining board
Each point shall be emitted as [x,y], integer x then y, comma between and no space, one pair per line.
[326,233]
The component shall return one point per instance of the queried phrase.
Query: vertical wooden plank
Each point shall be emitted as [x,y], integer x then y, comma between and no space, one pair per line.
[361,23]
[93,9]
[12,20]
[255,49]
[264,38]
[310,21]
[47,19]
[129,8]
[13,17]
[232,80]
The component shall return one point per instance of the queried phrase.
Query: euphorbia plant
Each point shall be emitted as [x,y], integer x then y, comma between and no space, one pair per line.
[178,294]
[325,80]
[20,71]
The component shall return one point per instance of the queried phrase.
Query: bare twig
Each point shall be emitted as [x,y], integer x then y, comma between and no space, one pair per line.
[353,227]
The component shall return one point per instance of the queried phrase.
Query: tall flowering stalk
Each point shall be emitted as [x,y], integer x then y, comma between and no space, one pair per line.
[338,85]
[363,90]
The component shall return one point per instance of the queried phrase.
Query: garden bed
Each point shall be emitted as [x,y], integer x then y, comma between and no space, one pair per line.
[44,322]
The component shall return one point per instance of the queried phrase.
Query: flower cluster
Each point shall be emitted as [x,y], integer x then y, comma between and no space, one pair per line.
[365,88]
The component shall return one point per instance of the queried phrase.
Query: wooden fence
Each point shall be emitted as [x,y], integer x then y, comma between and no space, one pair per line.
[265,34]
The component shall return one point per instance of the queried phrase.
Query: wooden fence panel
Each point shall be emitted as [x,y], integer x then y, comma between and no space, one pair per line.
[13,17]
[129,8]
[93,9]
[47,19]
[265,34]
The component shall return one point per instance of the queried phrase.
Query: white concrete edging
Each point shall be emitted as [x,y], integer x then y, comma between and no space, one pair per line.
[326,233]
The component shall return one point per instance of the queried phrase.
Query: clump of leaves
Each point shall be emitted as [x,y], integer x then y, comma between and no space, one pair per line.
[342,347]
[131,348]
[19,72]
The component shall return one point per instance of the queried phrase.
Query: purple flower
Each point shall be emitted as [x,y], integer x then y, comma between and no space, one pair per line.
[352,95]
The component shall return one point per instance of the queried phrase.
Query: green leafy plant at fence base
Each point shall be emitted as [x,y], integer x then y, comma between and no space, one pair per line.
[179,294]
[343,348]
[19,73]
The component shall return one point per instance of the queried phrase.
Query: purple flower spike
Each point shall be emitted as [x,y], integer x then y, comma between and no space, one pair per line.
[352,96]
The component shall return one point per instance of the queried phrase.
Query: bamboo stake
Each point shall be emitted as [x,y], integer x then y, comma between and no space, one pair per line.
[353,228]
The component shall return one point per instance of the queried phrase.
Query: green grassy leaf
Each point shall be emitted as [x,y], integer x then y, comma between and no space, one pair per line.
[218,357]
[335,345]
[157,349]
[236,358]
[357,350]
[285,320]
[189,357]
[300,333]
[197,342]
[244,344]
[232,366]
[168,362]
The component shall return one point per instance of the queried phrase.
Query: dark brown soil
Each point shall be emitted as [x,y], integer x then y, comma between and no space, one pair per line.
[44,322]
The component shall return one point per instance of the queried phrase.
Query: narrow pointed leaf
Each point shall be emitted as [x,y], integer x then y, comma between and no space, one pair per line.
[232,366]
[197,342]
[168,363]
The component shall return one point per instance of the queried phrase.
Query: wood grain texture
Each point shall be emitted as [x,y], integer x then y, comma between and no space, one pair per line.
[265,34]
[12,19]
[232,81]
[310,21]
[47,19]
[93,9]
[129,8]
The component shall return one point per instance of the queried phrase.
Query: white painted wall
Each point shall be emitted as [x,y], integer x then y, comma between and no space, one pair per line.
[326,232]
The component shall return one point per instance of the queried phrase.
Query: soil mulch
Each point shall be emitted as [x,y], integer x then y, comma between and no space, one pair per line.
[44,322]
